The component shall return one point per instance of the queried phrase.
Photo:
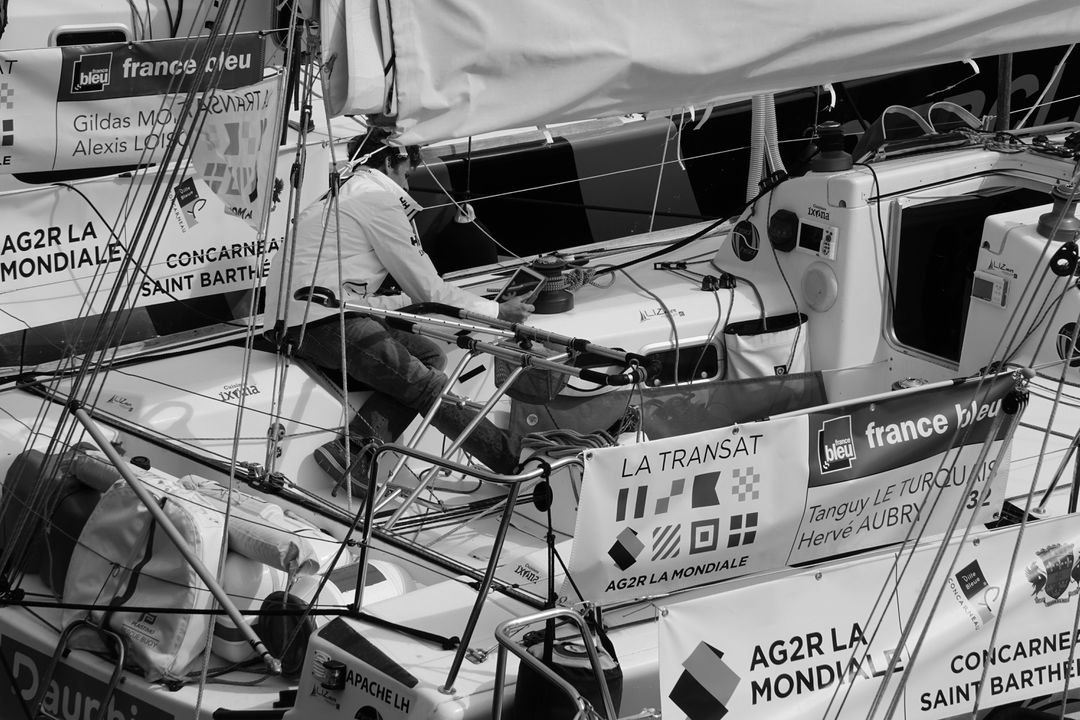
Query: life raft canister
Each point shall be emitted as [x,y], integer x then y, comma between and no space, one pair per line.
[247,583]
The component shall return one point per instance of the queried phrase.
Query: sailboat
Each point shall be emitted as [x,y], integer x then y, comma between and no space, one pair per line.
[809,460]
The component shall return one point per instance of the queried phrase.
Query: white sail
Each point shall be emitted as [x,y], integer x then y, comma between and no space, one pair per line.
[463,67]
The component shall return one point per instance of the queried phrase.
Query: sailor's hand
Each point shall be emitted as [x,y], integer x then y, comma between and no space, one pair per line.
[514,310]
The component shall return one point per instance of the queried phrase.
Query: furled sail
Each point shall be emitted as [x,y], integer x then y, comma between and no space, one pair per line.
[453,68]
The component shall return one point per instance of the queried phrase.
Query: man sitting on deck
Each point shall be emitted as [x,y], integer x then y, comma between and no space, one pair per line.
[377,239]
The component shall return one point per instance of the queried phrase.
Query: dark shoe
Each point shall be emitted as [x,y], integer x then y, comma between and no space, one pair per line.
[331,458]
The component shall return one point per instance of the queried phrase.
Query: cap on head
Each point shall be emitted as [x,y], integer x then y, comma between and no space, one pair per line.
[373,149]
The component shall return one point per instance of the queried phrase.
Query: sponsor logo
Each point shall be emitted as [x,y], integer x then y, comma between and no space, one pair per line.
[836,445]
[91,72]
[816,211]
[379,691]
[660,312]
[238,391]
[975,596]
[626,549]
[70,694]
[1002,268]
[326,695]
[162,67]
[706,684]
[188,203]
[1054,574]
[121,402]
[527,571]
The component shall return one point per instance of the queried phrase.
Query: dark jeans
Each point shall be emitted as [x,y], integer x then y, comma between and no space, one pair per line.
[404,372]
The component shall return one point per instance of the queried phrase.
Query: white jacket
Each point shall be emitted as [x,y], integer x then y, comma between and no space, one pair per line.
[377,238]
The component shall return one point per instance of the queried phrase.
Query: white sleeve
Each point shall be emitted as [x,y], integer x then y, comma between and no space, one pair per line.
[398,249]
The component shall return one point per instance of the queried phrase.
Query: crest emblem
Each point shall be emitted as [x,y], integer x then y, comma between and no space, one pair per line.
[1053,572]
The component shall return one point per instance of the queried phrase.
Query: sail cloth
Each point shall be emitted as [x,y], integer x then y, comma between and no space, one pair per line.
[464,67]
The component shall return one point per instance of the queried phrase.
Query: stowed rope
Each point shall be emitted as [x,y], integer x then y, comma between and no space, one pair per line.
[565,443]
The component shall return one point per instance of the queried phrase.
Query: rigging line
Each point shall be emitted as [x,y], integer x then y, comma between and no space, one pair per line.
[934,568]
[115,293]
[890,295]
[1047,308]
[169,18]
[161,383]
[895,584]
[601,176]
[136,19]
[1072,659]
[683,242]
[242,401]
[334,209]
[105,337]
[1055,101]
[123,298]
[461,209]
[278,315]
[667,314]
[712,334]
[913,539]
[992,642]
[1057,396]
[127,201]
[139,269]
[660,176]
[1017,340]
[1028,292]
[624,209]
[264,225]
[1054,76]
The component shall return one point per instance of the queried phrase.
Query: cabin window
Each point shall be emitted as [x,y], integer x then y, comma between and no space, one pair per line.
[935,260]
[88,34]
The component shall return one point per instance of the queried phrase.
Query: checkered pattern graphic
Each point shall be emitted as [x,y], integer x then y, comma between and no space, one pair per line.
[7,97]
[7,133]
[214,175]
[663,503]
[743,529]
[746,484]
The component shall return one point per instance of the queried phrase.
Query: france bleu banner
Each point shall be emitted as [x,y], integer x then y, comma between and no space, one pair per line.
[109,104]
[669,514]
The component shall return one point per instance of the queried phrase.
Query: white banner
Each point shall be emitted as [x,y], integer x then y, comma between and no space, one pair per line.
[63,248]
[688,510]
[110,104]
[693,509]
[817,643]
